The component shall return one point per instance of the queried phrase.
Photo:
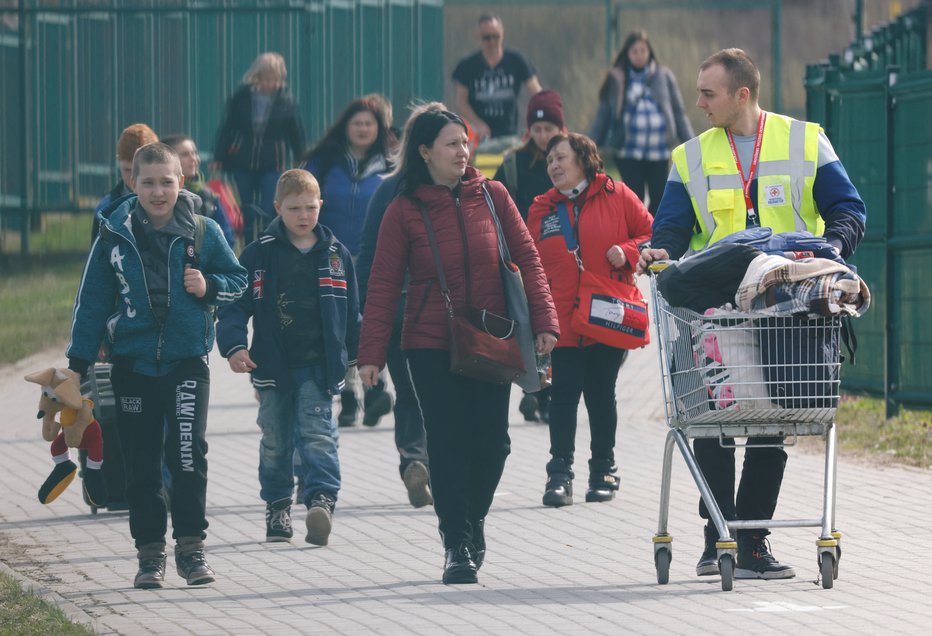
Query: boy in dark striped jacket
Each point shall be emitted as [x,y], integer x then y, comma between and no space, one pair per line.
[304,306]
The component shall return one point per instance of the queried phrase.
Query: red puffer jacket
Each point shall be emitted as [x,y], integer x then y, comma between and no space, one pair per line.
[611,214]
[403,245]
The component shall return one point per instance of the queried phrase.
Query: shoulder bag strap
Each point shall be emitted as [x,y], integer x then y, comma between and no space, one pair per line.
[503,251]
[444,289]
[569,231]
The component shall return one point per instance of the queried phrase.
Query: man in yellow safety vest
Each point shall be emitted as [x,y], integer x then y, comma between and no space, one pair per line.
[752,168]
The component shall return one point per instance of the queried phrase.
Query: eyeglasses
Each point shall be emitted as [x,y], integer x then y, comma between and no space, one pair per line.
[491,37]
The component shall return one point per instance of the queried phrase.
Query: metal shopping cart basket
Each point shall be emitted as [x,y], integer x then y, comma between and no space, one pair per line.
[733,375]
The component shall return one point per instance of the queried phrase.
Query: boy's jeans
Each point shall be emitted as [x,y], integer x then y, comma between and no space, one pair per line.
[298,420]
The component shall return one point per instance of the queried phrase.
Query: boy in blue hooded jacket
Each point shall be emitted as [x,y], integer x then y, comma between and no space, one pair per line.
[151,283]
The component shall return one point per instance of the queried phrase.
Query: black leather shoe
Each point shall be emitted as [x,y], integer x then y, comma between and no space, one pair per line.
[459,566]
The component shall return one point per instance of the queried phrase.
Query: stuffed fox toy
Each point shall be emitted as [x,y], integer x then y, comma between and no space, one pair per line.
[75,428]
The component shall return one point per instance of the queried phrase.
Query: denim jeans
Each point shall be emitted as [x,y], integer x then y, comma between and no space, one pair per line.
[300,420]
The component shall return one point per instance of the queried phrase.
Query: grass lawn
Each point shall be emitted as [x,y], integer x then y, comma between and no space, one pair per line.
[35,308]
[25,614]
[864,431]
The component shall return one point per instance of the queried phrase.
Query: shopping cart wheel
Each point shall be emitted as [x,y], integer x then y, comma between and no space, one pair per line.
[726,565]
[662,560]
[837,559]
[827,570]
[93,510]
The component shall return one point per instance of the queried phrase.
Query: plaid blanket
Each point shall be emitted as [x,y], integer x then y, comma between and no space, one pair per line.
[775,285]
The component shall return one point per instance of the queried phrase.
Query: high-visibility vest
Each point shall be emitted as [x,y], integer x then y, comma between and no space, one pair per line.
[785,173]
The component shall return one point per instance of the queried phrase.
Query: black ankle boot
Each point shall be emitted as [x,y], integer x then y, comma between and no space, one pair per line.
[603,480]
[459,566]
[559,489]
[478,542]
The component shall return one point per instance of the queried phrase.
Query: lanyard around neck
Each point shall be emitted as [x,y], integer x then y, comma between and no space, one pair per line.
[746,182]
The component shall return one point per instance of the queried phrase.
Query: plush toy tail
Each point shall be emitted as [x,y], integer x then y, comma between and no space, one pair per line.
[57,481]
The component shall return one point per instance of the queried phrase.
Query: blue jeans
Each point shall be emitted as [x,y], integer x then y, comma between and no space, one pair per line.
[298,420]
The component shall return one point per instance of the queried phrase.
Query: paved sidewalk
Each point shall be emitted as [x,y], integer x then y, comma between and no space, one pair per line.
[586,568]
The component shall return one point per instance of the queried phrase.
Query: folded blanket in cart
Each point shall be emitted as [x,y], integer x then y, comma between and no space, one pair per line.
[775,285]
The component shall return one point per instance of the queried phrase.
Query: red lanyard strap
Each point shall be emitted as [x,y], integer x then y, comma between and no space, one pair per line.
[746,183]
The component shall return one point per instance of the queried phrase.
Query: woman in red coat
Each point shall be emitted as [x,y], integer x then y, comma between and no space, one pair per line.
[608,221]
[466,420]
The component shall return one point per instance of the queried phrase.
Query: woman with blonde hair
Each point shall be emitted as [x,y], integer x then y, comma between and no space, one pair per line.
[260,125]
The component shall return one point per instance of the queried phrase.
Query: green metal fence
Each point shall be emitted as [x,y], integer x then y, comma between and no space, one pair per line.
[74,73]
[874,102]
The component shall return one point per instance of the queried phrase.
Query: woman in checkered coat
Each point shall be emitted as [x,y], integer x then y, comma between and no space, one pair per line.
[640,118]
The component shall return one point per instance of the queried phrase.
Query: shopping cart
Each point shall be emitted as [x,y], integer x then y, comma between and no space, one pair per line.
[733,375]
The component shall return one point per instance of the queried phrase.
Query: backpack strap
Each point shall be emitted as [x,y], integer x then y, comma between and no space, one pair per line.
[200,228]
[192,257]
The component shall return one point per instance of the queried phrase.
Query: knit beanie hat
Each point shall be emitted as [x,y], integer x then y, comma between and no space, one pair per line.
[546,105]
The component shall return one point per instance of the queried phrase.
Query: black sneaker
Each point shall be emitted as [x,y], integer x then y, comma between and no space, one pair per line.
[559,489]
[151,573]
[376,403]
[708,562]
[319,520]
[756,562]
[603,480]
[192,566]
[528,407]
[278,521]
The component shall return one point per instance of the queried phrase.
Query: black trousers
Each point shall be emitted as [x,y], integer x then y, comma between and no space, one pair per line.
[645,175]
[761,478]
[590,372]
[467,441]
[410,439]
[173,409]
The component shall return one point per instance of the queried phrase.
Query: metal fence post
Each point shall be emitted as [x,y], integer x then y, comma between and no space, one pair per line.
[891,340]
[25,221]
[775,35]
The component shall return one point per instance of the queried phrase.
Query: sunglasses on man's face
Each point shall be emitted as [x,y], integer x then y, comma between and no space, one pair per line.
[491,37]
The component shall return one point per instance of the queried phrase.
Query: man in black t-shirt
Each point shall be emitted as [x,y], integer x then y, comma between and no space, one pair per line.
[488,81]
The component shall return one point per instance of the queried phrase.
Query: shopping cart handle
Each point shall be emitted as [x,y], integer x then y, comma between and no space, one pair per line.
[656,267]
